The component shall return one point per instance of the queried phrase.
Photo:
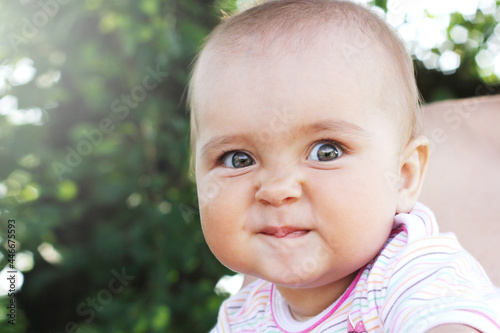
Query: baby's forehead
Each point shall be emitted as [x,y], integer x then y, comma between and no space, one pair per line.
[347,53]
[300,81]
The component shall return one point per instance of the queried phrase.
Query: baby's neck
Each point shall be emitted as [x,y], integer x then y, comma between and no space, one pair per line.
[306,303]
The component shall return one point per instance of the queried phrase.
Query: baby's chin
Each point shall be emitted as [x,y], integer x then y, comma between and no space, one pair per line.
[289,274]
[286,281]
[302,280]
[280,278]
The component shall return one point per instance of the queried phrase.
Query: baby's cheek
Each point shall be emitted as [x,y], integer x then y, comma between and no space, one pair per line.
[221,238]
[214,223]
[211,233]
[209,192]
[208,220]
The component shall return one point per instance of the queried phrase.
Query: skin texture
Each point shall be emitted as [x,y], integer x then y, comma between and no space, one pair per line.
[306,225]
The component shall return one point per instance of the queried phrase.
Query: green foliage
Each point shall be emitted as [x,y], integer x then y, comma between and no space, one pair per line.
[94,168]
[382,4]
[103,177]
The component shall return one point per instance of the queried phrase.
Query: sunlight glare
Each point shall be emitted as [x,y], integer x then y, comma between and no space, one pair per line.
[23,72]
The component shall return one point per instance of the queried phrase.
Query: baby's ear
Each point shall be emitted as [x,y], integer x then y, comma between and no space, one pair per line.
[413,166]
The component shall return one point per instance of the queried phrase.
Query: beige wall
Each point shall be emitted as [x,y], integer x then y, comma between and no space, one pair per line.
[463,182]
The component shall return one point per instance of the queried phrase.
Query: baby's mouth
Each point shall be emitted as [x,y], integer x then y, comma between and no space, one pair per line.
[281,232]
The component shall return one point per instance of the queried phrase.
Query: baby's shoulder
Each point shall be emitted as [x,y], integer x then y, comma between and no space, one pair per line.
[417,255]
[417,242]
[420,249]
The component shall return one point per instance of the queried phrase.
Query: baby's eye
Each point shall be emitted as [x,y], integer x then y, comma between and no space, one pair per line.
[325,151]
[237,159]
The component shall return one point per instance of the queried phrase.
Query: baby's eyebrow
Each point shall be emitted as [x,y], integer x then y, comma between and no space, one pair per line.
[337,126]
[221,140]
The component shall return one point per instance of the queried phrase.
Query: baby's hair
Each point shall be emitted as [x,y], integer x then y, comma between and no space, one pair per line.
[279,27]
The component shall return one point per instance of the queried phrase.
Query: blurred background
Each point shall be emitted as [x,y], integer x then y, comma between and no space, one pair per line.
[94,151]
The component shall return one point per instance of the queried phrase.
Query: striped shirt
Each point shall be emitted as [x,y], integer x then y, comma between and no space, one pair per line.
[420,279]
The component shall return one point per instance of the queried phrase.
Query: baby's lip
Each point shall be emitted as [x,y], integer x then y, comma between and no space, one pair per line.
[281,232]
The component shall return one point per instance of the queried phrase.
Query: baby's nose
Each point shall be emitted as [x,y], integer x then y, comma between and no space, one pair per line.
[279,187]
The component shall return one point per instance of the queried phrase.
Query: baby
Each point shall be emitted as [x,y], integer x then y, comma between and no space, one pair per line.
[309,159]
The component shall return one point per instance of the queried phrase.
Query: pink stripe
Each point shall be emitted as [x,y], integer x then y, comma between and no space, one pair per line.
[363,279]
[483,314]
[325,317]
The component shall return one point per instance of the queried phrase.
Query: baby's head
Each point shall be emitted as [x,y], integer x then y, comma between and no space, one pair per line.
[306,136]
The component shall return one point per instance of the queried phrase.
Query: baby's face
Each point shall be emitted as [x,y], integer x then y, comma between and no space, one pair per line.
[295,162]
